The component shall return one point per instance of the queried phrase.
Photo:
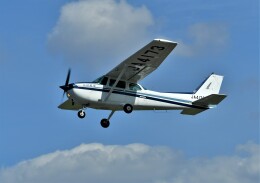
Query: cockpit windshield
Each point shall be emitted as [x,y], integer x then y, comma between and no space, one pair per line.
[102,80]
[98,80]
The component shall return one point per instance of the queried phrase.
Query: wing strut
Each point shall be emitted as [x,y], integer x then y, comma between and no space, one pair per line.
[114,85]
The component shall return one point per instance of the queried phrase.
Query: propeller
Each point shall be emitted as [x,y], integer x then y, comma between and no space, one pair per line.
[67,86]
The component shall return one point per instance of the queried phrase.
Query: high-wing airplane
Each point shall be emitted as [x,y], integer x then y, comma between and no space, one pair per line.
[118,90]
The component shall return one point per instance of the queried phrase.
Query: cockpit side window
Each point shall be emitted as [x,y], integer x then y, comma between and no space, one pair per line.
[134,87]
[111,82]
[120,84]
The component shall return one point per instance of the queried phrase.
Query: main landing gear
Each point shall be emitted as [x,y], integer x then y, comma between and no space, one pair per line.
[128,108]
[105,122]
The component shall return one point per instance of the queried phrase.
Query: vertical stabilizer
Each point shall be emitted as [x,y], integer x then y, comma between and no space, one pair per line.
[210,86]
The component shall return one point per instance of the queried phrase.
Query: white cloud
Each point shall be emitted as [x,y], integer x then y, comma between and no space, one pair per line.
[204,38]
[93,32]
[98,163]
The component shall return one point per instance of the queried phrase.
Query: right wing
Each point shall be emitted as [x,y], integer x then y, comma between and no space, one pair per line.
[144,61]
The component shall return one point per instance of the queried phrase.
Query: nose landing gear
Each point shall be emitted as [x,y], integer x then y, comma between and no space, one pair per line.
[81,114]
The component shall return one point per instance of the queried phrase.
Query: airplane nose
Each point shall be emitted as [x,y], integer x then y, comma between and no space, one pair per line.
[66,87]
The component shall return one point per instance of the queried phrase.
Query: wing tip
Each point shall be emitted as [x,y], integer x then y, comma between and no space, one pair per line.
[165,40]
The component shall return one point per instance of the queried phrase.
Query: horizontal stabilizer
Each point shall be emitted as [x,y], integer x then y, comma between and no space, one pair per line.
[192,111]
[208,101]
[212,99]
[69,105]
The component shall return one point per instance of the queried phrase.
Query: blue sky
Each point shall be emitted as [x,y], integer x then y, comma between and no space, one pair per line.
[40,40]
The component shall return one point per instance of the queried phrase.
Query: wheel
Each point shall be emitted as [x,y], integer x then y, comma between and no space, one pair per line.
[104,123]
[81,114]
[128,108]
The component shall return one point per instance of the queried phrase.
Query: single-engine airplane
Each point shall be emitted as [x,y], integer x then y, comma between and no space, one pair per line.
[119,89]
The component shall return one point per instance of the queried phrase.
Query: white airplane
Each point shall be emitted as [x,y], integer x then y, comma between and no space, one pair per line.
[118,89]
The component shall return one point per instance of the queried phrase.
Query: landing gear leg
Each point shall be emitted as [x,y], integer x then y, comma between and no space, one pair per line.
[105,122]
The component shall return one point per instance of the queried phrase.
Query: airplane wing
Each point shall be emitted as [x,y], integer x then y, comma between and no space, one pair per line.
[69,105]
[144,61]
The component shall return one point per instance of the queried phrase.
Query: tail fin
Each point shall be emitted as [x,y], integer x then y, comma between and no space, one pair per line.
[209,89]
[210,86]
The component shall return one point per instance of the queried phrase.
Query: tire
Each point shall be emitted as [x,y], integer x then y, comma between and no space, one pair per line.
[128,108]
[81,114]
[104,123]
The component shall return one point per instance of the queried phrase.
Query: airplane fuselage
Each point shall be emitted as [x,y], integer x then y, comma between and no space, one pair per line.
[93,95]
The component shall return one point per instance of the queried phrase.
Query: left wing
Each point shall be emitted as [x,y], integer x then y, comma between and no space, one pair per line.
[144,61]
[69,105]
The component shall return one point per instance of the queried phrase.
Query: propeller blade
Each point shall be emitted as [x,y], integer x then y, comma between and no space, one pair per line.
[68,78]
[62,96]
[67,86]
